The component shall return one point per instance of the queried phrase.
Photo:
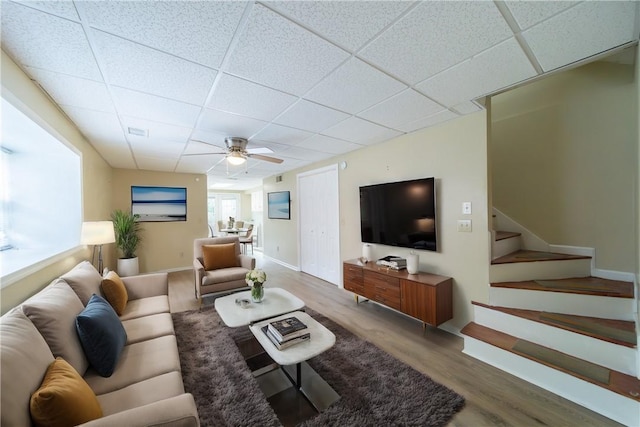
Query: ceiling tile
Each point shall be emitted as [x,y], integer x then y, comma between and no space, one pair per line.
[154,147]
[240,96]
[276,52]
[156,163]
[407,106]
[305,154]
[117,157]
[155,108]
[37,39]
[529,13]
[196,147]
[467,107]
[157,130]
[74,91]
[140,68]
[425,122]
[229,124]
[493,69]
[582,31]
[354,86]
[273,146]
[436,35]
[197,164]
[328,144]
[358,130]
[350,24]
[65,9]
[282,135]
[97,125]
[310,116]
[196,30]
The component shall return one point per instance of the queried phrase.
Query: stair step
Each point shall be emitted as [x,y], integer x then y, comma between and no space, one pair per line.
[617,382]
[576,285]
[619,332]
[502,235]
[534,256]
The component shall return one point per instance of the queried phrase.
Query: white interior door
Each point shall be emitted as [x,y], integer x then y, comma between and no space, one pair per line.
[319,224]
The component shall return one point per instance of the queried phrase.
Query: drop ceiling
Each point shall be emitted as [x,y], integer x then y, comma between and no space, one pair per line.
[309,80]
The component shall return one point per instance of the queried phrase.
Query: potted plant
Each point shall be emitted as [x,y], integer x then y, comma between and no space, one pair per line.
[127,230]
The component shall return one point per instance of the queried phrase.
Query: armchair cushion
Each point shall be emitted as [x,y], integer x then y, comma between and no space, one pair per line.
[219,256]
[115,292]
[64,398]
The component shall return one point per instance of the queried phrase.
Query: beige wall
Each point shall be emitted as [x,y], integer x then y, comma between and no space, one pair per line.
[455,154]
[18,89]
[165,246]
[564,153]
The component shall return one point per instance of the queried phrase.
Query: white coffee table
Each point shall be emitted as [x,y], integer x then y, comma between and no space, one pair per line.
[276,301]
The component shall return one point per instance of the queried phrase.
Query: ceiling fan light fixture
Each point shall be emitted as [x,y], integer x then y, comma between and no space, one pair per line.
[236,158]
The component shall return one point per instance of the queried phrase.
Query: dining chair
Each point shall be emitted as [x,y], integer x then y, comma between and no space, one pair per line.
[247,239]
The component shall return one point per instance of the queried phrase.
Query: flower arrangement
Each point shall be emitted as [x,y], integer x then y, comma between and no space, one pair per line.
[255,279]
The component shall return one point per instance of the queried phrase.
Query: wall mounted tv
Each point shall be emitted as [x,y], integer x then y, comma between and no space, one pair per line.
[400,214]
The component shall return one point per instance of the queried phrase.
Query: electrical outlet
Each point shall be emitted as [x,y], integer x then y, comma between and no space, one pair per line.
[466,208]
[464,225]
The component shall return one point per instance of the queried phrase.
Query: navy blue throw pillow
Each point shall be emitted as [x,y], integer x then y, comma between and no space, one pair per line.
[101,334]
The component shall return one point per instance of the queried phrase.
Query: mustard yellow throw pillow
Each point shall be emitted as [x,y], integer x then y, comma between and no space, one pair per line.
[64,398]
[219,256]
[115,292]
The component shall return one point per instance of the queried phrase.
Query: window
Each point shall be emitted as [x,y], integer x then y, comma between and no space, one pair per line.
[40,190]
[221,206]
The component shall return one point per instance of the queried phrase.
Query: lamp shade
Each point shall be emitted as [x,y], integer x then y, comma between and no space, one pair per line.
[97,233]
[236,158]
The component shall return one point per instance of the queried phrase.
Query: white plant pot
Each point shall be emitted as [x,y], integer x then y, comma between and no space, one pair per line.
[128,267]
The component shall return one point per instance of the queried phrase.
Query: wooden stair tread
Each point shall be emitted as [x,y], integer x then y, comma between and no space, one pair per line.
[501,235]
[617,382]
[535,256]
[619,332]
[576,285]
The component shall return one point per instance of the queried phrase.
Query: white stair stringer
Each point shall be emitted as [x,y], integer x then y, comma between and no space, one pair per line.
[601,400]
[613,356]
[505,246]
[565,303]
[540,270]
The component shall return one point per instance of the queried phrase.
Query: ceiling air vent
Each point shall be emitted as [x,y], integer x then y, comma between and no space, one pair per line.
[278,178]
[138,132]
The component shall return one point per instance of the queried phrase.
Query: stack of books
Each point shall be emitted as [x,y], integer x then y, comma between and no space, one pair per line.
[394,262]
[286,332]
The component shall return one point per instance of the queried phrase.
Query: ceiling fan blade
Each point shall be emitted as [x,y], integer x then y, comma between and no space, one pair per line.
[265,158]
[259,150]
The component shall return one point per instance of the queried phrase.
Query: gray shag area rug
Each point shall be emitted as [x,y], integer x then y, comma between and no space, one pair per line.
[376,389]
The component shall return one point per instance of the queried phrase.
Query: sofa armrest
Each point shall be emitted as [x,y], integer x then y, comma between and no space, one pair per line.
[178,411]
[199,270]
[147,285]
[247,261]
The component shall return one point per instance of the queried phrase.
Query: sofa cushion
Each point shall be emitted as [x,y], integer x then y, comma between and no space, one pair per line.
[64,398]
[219,256]
[146,307]
[53,311]
[25,359]
[225,275]
[101,334]
[148,327]
[85,280]
[115,292]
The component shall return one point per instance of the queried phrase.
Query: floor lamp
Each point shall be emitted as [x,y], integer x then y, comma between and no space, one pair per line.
[97,233]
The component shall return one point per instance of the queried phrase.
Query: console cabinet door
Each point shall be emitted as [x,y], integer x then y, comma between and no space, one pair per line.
[353,279]
[418,301]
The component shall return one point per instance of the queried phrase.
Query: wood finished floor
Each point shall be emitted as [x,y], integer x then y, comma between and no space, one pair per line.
[493,397]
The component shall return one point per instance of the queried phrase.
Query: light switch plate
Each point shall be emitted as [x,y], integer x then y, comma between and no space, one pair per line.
[466,208]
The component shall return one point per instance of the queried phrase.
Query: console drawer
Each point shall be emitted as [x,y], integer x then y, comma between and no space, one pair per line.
[353,279]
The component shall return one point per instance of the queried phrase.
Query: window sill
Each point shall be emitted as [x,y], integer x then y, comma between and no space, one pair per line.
[18,264]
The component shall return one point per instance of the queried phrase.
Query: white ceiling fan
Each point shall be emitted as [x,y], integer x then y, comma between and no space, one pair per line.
[237,153]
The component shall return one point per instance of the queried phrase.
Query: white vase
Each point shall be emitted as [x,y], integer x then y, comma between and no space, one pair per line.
[367,250]
[413,261]
[128,267]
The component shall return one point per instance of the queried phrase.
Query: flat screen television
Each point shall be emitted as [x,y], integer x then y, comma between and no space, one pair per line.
[400,214]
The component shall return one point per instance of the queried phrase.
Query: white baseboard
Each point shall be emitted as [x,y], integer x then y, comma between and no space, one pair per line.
[277,261]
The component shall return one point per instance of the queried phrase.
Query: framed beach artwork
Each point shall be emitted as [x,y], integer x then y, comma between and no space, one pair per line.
[278,205]
[159,204]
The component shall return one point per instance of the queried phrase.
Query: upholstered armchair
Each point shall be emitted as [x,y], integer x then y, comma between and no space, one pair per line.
[219,266]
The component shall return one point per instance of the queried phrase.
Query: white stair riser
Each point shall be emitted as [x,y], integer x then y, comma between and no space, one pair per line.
[612,405]
[505,246]
[539,270]
[566,303]
[603,353]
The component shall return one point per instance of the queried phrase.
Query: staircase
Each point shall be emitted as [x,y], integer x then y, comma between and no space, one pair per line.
[549,322]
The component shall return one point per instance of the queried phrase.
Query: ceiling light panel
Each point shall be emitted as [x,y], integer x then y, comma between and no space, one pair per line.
[240,96]
[310,116]
[276,52]
[74,91]
[350,24]
[502,65]
[229,124]
[328,144]
[436,35]
[407,106]
[354,86]
[155,108]
[527,13]
[585,30]
[37,39]
[357,130]
[197,31]
[137,67]
[425,122]
[282,135]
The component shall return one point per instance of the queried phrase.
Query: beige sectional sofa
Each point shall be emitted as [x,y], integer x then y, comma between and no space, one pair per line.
[146,386]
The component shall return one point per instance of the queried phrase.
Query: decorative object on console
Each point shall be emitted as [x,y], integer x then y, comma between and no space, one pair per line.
[255,279]
[282,344]
[393,261]
[367,252]
[97,233]
[413,261]
[127,230]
